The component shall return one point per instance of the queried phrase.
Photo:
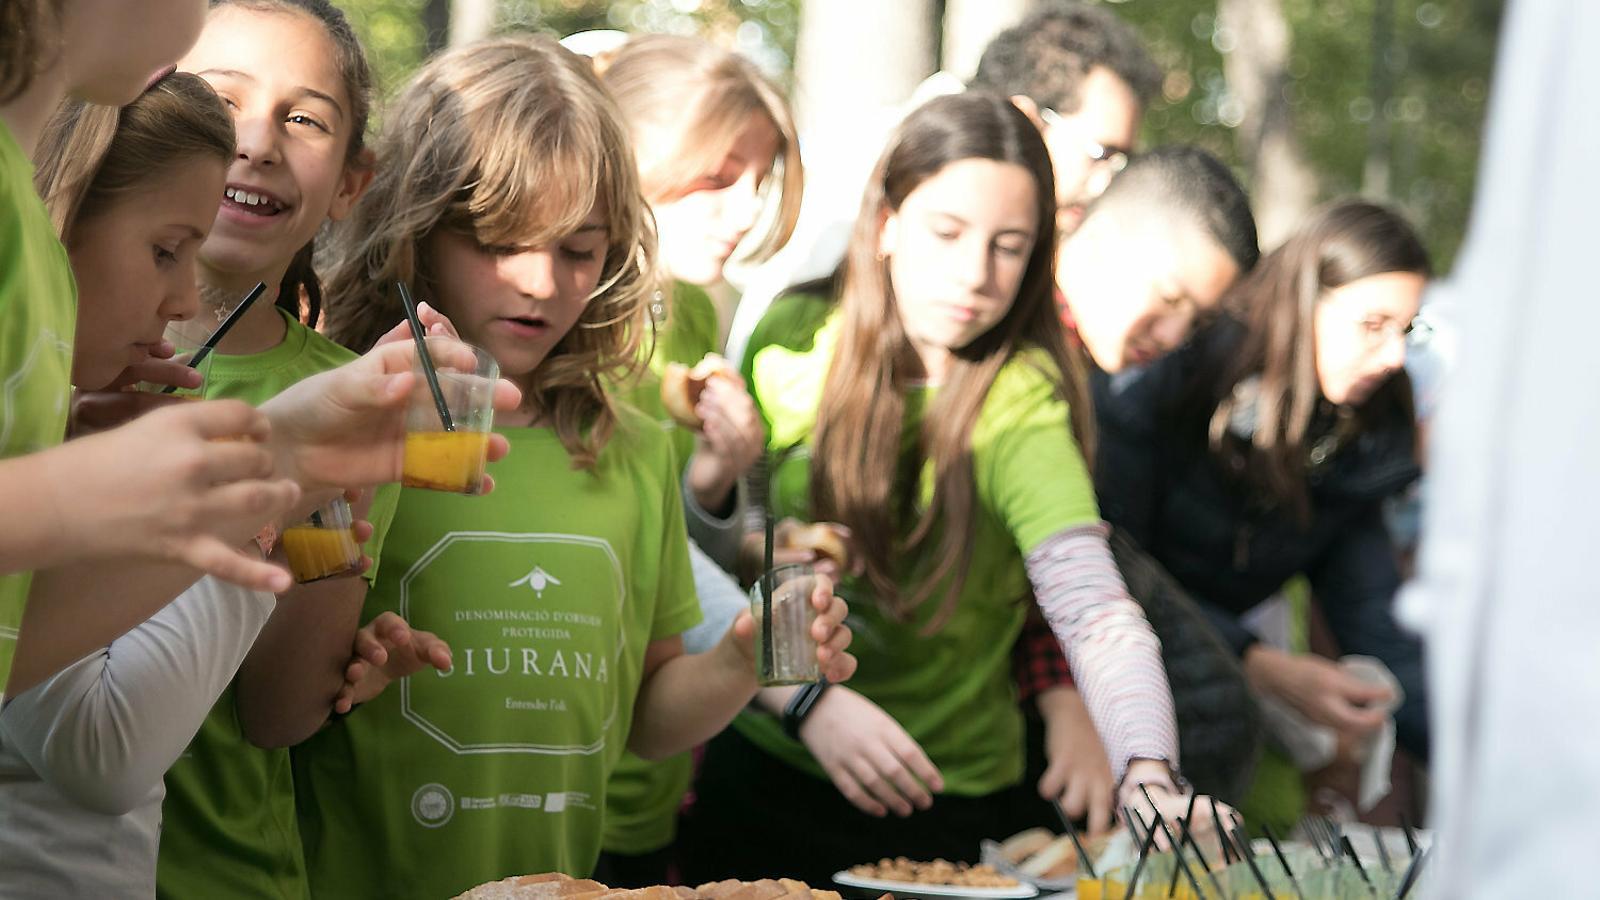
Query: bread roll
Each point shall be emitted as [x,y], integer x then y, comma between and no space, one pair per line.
[682,386]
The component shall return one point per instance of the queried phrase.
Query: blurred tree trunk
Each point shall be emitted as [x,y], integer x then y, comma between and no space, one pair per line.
[856,58]
[470,20]
[969,25]
[436,24]
[1375,174]
[1283,186]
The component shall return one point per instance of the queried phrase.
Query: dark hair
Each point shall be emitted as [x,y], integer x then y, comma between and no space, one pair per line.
[352,63]
[857,449]
[1185,181]
[1046,56]
[1342,242]
[27,28]
[91,155]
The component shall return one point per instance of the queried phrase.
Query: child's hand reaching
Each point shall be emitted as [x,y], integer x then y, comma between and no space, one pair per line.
[118,402]
[190,483]
[387,649]
[731,441]
[346,427]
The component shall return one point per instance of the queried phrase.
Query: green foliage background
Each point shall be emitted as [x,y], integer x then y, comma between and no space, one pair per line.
[1438,67]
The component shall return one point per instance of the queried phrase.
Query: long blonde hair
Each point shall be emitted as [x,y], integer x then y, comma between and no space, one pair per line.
[857,478]
[90,156]
[686,101]
[509,141]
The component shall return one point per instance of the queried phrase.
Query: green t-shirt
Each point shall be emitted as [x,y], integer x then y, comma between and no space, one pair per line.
[228,820]
[686,330]
[952,690]
[549,591]
[643,798]
[38,314]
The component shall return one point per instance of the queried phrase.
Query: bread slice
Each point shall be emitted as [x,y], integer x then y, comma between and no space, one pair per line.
[717,890]
[1024,844]
[765,889]
[1056,860]
[547,886]
[657,892]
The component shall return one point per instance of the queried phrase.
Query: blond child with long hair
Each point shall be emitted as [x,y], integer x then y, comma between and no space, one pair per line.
[718,158]
[507,195]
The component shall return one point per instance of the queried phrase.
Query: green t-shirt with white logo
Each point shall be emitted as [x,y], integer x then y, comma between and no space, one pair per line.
[38,315]
[549,591]
[643,798]
[228,821]
[951,690]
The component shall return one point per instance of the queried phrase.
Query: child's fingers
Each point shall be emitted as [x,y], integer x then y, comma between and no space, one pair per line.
[436,322]
[369,649]
[251,503]
[392,630]
[744,626]
[216,419]
[230,461]
[439,656]
[822,594]
[498,447]
[215,558]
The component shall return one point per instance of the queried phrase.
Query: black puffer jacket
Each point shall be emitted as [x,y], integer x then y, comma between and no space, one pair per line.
[1157,479]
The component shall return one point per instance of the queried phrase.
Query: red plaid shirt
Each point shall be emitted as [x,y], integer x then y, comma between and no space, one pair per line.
[1037,662]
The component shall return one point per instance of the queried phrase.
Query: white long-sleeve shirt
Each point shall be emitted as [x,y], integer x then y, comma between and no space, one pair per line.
[83,754]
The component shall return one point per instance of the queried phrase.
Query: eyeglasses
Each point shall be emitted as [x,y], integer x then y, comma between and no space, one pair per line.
[1113,158]
[1377,333]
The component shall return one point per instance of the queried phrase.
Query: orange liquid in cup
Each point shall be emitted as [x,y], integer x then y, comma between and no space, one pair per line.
[445,460]
[317,553]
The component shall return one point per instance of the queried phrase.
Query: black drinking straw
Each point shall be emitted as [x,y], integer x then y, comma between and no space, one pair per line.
[1383,852]
[222,330]
[1183,864]
[1360,869]
[1322,838]
[1135,824]
[765,583]
[1413,871]
[1072,835]
[1187,834]
[1282,860]
[1250,860]
[1144,854]
[1411,836]
[1222,834]
[420,337]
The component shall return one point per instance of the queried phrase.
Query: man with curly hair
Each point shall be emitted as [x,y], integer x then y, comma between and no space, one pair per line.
[1085,78]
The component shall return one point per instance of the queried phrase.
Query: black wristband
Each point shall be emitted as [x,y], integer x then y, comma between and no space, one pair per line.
[801,705]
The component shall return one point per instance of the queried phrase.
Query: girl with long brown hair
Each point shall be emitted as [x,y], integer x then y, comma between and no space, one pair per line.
[1267,448]
[934,408]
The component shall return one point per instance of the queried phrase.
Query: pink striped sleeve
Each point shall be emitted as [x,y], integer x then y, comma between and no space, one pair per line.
[1115,656]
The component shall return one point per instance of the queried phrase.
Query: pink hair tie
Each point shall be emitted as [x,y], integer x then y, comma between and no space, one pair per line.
[161,73]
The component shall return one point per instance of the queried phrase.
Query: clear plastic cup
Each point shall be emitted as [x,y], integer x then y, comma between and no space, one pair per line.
[451,460]
[785,651]
[324,545]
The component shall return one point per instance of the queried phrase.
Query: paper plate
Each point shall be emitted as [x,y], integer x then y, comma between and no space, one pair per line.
[912,889]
